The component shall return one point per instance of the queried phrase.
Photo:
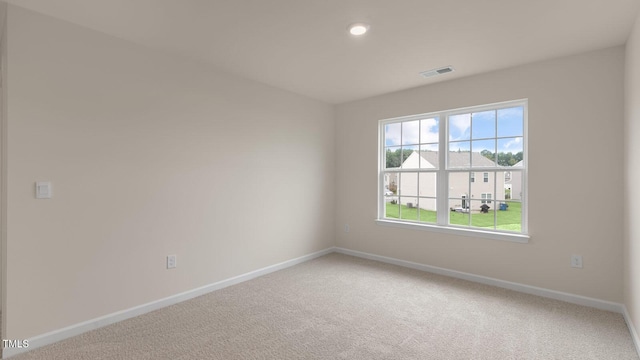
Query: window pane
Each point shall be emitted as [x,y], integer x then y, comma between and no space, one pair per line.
[427,185]
[429,147]
[459,127]
[510,216]
[408,186]
[483,153]
[513,186]
[391,183]
[459,212]
[459,155]
[510,151]
[459,185]
[511,121]
[427,210]
[484,185]
[411,157]
[429,157]
[393,157]
[409,208]
[482,215]
[408,196]
[483,125]
[392,134]
[489,190]
[429,130]
[411,132]
[392,209]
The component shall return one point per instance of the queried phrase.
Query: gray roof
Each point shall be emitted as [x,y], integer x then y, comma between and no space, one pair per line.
[459,159]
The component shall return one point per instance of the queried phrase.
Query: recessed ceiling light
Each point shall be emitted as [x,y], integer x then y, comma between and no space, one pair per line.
[358,29]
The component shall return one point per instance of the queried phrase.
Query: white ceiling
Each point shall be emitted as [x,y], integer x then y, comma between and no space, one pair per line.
[303,45]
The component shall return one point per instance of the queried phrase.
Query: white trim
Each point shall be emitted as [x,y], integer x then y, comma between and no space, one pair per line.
[475,232]
[527,289]
[443,171]
[524,189]
[442,181]
[77,329]
[632,328]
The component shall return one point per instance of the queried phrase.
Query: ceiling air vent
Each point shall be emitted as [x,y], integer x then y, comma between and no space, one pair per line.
[434,72]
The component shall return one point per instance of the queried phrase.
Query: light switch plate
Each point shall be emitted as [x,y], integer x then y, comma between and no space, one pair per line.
[43,190]
[171,261]
[576,261]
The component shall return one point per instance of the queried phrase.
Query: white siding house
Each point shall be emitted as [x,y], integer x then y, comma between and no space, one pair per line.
[419,189]
[466,189]
[513,181]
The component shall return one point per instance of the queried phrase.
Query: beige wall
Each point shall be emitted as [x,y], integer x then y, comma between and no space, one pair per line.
[152,155]
[575,113]
[632,176]
[149,155]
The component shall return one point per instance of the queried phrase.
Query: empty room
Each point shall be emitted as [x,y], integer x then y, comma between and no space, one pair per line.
[297,179]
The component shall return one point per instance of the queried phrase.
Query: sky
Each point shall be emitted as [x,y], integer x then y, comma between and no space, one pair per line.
[466,131]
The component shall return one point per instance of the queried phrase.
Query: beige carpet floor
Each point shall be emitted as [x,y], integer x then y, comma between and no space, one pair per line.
[341,307]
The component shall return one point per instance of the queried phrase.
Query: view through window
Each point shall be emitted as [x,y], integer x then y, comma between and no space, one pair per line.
[428,167]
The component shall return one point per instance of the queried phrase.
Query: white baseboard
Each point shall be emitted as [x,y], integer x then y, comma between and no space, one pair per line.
[632,328]
[77,329]
[552,294]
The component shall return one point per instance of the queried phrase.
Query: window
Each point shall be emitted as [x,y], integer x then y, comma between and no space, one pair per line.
[428,164]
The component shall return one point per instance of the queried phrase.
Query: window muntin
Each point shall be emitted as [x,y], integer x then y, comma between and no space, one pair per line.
[488,138]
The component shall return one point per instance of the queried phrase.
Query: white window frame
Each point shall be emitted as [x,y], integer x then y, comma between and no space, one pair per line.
[486,198]
[443,172]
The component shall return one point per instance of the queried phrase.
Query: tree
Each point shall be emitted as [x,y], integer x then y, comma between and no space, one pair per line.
[504,159]
[397,157]
[488,154]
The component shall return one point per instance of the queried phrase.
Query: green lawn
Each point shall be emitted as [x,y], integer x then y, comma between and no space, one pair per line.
[507,220]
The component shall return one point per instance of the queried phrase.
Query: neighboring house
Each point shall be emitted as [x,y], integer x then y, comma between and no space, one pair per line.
[513,181]
[468,190]
[391,181]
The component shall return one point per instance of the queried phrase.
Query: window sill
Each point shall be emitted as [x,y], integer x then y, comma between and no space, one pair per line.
[494,235]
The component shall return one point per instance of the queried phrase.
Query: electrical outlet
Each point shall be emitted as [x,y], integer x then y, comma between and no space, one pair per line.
[576,261]
[346,228]
[171,262]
